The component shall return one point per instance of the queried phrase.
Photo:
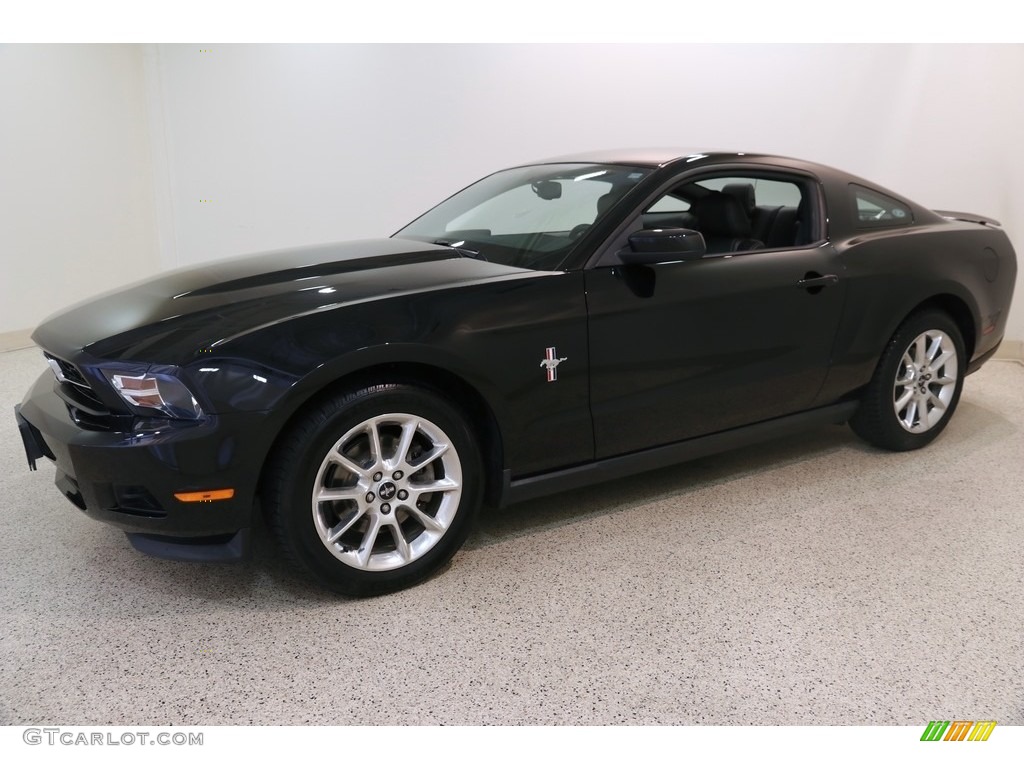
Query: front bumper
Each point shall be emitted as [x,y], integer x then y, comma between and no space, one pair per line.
[35,446]
[129,478]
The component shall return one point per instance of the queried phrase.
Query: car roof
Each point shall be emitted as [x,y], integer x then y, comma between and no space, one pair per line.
[655,157]
[679,157]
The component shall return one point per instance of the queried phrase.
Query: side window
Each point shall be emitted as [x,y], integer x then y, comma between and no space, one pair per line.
[669,204]
[766,191]
[873,209]
[737,214]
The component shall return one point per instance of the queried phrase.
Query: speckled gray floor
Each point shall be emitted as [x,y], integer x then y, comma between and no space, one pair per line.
[815,581]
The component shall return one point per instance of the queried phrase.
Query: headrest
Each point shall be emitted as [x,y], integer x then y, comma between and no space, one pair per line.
[721,215]
[605,201]
[744,193]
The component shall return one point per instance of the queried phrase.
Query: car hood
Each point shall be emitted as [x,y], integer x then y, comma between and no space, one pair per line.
[211,302]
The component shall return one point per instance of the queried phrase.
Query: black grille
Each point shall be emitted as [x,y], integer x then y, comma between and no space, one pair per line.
[70,373]
[87,410]
[83,398]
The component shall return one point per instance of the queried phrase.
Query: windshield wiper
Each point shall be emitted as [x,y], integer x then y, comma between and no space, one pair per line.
[459,245]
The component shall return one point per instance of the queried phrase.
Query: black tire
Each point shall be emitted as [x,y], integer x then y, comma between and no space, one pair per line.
[907,376]
[380,530]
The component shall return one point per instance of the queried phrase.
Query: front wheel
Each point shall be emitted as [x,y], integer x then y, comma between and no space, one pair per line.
[917,384]
[374,490]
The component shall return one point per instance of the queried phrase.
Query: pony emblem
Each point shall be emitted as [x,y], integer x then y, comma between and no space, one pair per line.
[551,361]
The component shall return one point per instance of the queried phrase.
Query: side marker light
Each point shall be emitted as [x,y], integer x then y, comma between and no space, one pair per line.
[218,495]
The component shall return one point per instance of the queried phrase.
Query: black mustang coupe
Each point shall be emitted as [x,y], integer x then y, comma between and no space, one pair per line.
[550,326]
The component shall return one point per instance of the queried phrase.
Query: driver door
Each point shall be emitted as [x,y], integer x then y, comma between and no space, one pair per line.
[691,347]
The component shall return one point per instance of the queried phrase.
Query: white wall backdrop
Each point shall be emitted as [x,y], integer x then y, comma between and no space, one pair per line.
[76,181]
[259,147]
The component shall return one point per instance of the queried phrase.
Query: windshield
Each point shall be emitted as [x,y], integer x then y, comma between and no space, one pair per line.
[526,217]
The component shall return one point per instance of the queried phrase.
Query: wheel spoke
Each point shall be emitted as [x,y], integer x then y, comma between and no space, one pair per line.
[400,541]
[340,529]
[923,415]
[425,520]
[405,443]
[905,398]
[933,350]
[935,402]
[339,494]
[436,452]
[921,350]
[944,380]
[942,359]
[440,485]
[911,414]
[346,463]
[369,540]
[373,431]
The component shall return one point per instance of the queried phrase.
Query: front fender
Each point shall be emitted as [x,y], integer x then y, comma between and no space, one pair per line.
[491,337]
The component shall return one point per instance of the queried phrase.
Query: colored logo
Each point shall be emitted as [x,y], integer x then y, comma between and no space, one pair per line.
[958,730]
[551,361]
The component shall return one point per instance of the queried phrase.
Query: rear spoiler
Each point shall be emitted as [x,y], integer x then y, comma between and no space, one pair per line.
[971,217]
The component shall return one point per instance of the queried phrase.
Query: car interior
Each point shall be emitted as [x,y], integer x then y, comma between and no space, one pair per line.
[736,215]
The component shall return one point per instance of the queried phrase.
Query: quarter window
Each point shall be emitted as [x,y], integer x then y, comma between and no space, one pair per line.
[873,209]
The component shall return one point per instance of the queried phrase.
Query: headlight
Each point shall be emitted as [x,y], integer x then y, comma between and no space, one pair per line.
[152,393]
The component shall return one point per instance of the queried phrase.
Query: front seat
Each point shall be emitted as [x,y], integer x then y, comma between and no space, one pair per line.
[725,224]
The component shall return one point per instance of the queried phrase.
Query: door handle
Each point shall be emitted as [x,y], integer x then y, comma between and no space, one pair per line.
[815,282]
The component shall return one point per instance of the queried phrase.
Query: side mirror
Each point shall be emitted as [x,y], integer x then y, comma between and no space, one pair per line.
[649,246]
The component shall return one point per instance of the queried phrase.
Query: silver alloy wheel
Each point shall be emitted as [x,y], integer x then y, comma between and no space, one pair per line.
[387,492]
[925,382]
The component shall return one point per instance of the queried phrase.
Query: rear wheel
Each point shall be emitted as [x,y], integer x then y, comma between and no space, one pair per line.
[917,384]
[374,490]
